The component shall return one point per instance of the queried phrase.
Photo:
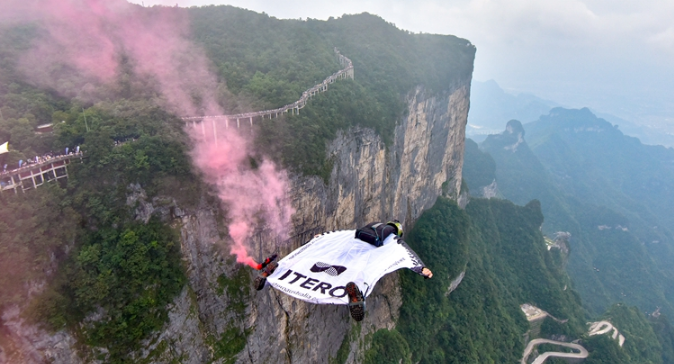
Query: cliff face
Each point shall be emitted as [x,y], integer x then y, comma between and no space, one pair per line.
[369,181]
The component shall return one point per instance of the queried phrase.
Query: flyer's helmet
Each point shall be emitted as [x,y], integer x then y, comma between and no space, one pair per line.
[399,227]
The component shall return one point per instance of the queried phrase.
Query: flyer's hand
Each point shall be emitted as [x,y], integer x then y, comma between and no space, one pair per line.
[427,273]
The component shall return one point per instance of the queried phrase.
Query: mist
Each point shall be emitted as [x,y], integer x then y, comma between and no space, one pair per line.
[91,37]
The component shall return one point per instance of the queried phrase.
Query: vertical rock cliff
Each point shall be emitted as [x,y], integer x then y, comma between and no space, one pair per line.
[369,181]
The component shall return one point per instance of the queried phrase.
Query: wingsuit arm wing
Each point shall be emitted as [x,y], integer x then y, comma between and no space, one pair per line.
[418,268]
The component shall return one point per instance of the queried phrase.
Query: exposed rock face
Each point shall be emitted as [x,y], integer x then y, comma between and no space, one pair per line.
[369,181]
[514,131]
[489,191]
[455,283]
[25,343]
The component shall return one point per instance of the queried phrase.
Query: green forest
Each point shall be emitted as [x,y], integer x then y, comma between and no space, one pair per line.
[499,246]
[613,259]
[583,170]
[507,263]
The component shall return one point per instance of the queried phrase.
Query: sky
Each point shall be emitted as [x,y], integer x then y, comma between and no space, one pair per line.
[614,56]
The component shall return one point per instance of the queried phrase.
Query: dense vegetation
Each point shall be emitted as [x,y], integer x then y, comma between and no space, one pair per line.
[481,171]
[123,271]
[611,261]
[641,343]
[33,231]
[125,278]
[583,170]
[507,265]
[82,237]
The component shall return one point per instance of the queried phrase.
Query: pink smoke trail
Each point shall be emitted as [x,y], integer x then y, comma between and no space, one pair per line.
[92,35]
[246,192]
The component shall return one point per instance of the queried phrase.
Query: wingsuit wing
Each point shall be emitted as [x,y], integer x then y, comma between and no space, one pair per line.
[318,271]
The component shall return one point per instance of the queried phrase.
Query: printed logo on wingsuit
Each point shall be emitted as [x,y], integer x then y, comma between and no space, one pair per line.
[311,284]
[333,270]
[413,256]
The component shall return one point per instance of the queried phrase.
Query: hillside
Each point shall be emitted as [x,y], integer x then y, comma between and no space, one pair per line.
[585,173]
[507,265]
[481,320]
[609,262]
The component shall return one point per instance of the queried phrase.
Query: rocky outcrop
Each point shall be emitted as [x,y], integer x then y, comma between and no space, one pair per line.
[369,181]
[454,284]
[489,191]
[515,132]
[26,343]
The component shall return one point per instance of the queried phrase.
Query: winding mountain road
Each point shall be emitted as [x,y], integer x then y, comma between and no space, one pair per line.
[596,328]
[603,327]
[582,354]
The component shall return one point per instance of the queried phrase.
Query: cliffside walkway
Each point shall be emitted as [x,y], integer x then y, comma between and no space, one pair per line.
[37,174]
[294,108]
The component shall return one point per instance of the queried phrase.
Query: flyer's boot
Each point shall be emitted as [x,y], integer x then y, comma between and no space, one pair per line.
[356,301]
[268,267]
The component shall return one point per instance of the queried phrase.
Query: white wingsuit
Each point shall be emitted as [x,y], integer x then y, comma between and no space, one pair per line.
[318,271]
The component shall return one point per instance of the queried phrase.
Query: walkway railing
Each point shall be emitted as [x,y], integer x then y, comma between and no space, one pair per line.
[294,108]
[36,174]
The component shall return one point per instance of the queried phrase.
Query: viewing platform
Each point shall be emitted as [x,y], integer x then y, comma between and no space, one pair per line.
[37,174]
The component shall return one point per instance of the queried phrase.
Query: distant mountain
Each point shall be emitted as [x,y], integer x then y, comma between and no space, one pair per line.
[593,160]
[612,193]
[599,229]
[648,134]
[491,106]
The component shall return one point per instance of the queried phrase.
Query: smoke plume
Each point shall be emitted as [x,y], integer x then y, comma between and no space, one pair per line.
[92,36]
[250,193]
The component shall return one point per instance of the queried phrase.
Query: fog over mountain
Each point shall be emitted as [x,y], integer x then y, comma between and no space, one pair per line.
[491,107]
